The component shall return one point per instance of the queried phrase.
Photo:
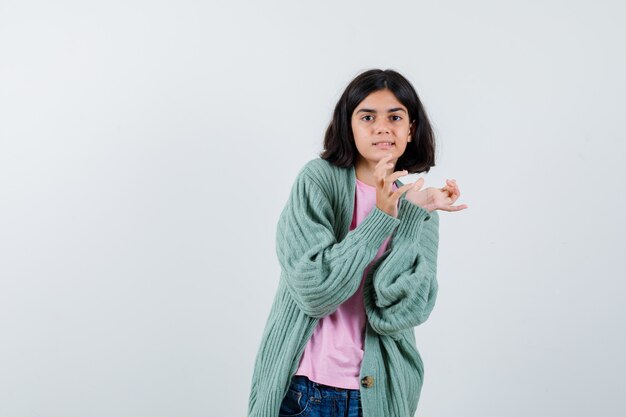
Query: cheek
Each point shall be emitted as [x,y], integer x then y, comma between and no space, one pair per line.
[354,127]
[359,136]
[403,131]
[402,146]
[357,131]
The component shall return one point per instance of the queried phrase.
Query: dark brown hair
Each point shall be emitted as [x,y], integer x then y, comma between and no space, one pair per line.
[339,146]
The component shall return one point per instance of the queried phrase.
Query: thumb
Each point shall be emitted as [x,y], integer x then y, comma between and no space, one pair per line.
[418,184]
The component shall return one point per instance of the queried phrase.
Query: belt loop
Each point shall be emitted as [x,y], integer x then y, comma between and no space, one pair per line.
[315,390]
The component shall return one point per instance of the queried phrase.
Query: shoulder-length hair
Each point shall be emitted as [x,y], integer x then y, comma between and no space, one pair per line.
[339,147]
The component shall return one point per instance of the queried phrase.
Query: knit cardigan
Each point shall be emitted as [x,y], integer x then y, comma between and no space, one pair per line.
[322,263]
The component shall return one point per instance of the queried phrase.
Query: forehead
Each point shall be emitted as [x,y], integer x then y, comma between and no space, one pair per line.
[381,101]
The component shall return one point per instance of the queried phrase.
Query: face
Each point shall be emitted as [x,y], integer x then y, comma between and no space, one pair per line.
[380,125]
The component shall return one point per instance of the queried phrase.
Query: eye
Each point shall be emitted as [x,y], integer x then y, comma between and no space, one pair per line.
[398,117]
[368,115]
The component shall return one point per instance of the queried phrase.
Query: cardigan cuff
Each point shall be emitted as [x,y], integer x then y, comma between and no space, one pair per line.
[376,227]
[412,218]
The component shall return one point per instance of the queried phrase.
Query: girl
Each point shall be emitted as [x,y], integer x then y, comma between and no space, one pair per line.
[358,256]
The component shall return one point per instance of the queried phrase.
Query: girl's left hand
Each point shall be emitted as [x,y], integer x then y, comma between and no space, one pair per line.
[436,198]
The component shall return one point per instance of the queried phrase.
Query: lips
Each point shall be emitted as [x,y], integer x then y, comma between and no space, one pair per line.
[384,145]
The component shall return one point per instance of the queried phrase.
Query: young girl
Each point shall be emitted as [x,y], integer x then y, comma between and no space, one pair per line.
[358,256]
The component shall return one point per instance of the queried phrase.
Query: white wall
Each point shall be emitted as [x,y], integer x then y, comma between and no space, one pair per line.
[147,148]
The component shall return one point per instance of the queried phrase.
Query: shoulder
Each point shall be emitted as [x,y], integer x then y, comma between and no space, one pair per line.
[319,166]
[323,173]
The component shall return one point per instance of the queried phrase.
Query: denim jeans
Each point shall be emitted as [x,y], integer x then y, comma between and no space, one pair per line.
[306,398]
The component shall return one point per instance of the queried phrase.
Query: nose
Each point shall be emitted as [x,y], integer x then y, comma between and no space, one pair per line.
[381,127]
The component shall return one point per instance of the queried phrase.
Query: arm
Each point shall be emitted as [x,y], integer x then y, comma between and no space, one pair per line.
[401,289]
[319,272]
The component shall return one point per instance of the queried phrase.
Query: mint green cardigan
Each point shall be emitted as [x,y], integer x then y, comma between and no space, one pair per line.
[322,264]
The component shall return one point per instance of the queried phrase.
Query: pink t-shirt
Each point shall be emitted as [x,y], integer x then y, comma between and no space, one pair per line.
[334,352]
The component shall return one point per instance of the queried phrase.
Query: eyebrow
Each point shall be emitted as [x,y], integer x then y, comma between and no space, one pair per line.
[374,111]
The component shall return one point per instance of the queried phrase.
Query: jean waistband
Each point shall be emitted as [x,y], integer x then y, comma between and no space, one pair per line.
[304,382]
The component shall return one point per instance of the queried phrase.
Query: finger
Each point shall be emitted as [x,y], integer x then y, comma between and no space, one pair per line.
[394,176]
[457,192]
[455,208]
[382,166]
[453,196]
[419,183]
[395,196]
[384,159]
[380,173]
[454,193]
[451,185]
[453,189]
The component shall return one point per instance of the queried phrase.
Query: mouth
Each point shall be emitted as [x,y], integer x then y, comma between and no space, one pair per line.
[384,144]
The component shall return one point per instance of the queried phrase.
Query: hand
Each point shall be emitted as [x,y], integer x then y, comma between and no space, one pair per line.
[437,198]
[386,199]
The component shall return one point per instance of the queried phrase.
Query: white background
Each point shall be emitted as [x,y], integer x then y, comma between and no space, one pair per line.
[148,147]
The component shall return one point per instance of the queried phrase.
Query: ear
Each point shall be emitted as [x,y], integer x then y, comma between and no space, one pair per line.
[410,130]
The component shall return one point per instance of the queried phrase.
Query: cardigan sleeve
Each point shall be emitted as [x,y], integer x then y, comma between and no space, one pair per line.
[321,273]
[403,284]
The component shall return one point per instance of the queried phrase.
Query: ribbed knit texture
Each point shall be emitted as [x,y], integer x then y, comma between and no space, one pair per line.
[322,264]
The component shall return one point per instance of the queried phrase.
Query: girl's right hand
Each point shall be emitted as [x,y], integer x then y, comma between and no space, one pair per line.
[386,198]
